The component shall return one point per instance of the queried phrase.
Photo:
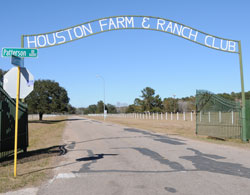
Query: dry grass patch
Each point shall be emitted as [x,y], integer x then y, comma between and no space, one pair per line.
[36,165]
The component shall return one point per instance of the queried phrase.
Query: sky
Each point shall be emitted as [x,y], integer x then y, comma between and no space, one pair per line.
[130,60]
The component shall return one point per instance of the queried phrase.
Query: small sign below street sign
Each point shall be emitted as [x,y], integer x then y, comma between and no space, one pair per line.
[26,82]
[17,61]
[19,52]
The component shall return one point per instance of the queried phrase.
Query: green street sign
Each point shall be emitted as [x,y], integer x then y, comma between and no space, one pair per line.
[19,52]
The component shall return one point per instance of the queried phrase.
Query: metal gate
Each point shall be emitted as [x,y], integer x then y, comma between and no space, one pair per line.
[7,124]
[217,117]
[248,118]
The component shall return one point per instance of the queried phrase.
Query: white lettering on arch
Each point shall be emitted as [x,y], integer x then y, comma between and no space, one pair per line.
[120,21]
[232,46]
[111,23]
[221,45]
[102,24]
[29,42]
[160,22]
[206,38]
[69,33]
[78,34]
[89,29]
[182,32]
[170,26]
[60,37]
[213,45]
[39,41]
[54,39]
[145,19]
[177,28]
[129,21]
[193,35]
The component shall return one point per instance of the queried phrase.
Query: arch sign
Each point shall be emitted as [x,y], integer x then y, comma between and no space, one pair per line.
[129,22]
[145,23]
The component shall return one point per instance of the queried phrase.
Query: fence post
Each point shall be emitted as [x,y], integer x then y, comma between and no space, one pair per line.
[157,116]
[171,116]
[232,117]
[161,116]
[153,116]
[209,117]
[177,116]
[184,116]
[166,116]
[219,116]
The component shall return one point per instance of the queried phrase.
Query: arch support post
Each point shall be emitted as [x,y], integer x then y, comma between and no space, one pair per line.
[243,99]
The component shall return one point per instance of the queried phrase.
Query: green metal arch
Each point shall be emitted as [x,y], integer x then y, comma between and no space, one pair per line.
[135,16]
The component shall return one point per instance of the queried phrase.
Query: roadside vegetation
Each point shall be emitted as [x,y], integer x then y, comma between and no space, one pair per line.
[35,166]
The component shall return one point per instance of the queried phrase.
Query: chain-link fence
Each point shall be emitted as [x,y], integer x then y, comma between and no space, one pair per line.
[216,116]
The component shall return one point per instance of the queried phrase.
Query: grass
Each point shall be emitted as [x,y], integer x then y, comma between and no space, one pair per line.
[170,127]
[34,167]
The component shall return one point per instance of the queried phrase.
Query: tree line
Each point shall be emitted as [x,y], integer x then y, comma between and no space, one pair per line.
[97,109]
[150,102]
[49,97]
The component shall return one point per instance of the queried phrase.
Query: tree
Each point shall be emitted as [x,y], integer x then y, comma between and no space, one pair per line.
[91,109]
[147,98]
[170,104]
[111,108]
[47,97]
[149,102]
[100,107]
[130,109]
[71,109]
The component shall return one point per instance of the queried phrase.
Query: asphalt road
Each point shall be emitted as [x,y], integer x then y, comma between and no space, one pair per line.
[105,158]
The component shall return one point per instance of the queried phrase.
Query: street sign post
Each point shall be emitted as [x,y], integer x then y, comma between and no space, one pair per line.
[26,79]
[19,52]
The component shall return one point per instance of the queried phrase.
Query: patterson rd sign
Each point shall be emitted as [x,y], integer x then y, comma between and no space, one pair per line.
[19,52]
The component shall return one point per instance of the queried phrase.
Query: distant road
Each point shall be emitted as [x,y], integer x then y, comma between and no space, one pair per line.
[109,159]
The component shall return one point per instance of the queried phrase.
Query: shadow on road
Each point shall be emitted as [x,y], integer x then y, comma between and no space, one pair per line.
[209,163]
[157,137]
[95,157]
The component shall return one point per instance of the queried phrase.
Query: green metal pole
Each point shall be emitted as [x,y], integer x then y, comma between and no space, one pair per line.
[244,124]
[22,45]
